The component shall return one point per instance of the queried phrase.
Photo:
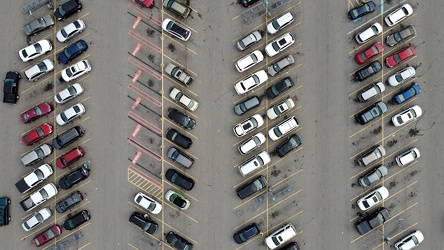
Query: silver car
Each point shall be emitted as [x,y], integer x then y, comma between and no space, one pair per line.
[400,35]
[249,40]
[38,25]
[373,176]
[280,65]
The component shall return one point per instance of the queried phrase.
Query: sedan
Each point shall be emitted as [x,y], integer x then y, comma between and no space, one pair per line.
[181,119]
[74,177]
[177,199]
[362,10]
[292,143]
[365,55]
[400,56]
[71,30]
[67,9]
[72,51]
[251,82]
[77,220]
[369,33]
[249,40]
[371,113]
[146,3]
[247,105]
[36,219]
[36,155]
[400,35]
[398,15]
[252,187]
[373,198]
[407,94]
[37,134]
[252,143]
[144,222]
[368,71]
[177,241]
[70,114]
[278,109]
[35,50]
[410,241]
[69,202]
[280,65]
[40,69]
[181,140]
[69,93]
[70,157]
[38,25]
[179,179]
[248,125]
[246,233]
[407,116]
[407,157]
[373,176]
[249,61]
[36,112]
[76,70]
[147,203]
[47,235]
[183,99]
[280,23]
[279,44]
[278,88]
[401,76]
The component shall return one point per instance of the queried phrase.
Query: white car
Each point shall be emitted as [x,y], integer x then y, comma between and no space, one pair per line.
[281,236]
[34,178]
[40,69]
[401,76]
[254,163]
[183,99]
[248,125]
[37,219]
[283,128]
[369,33]
[251,82]
[70,114]
[35,50]
[249,61]
[407,157]
[147,203]
[71,30]
[279,23]
[373,198]
[69,93]
[407,116]
[398,15]
[410,241]
[278,109]
[176,29]
[280,44]
[251,144]
[76,70]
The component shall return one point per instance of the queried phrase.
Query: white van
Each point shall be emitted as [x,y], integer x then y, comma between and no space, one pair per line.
[373,90]
[280,236]
[254,163]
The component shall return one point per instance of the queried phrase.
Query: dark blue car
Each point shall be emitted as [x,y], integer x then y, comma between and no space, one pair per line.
[246,233]
[72,51]
[362,10]
[407,93]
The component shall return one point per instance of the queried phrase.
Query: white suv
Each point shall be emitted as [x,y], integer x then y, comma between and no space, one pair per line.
[407,157]
[279,23]
[280,44]
[248,125]
[367,34]
[251,144]
[283,128]
[254,163]
[398,15]
[281,236]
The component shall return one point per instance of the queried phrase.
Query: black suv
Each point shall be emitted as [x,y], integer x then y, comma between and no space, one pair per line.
[67,9]
[247,105]
[179,179]
[181,119]
[252,187]
[368,71]
[67,137]
[4,211]
[10,87]
[246,233]
[276,89]
[178,242]
[290,144]
[144,222]
[178,138]
[69,202]
[74,177]
[77,220]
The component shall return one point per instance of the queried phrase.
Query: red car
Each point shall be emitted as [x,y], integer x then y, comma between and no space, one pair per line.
[146,3]
[36,112]
[37,134]
[70,157]
[400,56]
[370,52]
[48,235]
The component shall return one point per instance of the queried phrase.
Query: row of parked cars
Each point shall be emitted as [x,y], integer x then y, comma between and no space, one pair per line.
[373,198]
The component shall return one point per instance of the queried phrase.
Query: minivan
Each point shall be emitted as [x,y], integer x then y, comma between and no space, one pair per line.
[254,163]
[68,137]
[281,236]
[179,157]
[370,156]
[371,91]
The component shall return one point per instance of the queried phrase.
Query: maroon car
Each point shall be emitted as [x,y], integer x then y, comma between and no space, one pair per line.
[36,112]
[70,157]
[37,134]
[146,3]
[48,235]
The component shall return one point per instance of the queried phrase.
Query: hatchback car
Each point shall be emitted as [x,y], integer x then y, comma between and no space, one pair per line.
[278,88]
[181,119]
[177,8]
[177,199]
[373,176]
[36,219]
[247,105]
[373,198]
[407,157]
[279,44]
[279,23]
[144,222]
[147,203]
[178,156]
[246,233]
[35,50]
[292,143]
[177,241]
[74,177]
[183,99]
[178,138]
[37,134]
[410,241]
[407,94]
[71,30]
[76,70]
[69,93]
[369,114]
[251,144]
[280,108]
[76,220]
[400,35]
[72,51]
[371,91]
[254,163]
[179,74]
[36,155]
[67,9]
[401,76]
[398,15]
[368,71]
[252,187]
[70,157]
[400,56]
[369,33]
[42,23]
[176,29]
[362,10]
[368,157]
[280,65]
[69,202]
[407,116]
[248,125]
[249,40]
[47,235]
[280,236]
[66,116]
[179,179]
[365,55]
[249,61]
[250,82]
[283,128]
[36,112]
[40,69]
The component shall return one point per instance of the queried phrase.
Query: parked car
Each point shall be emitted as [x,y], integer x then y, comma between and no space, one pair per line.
[368,71]
[247,105]
[36,155]
[280,236]
[177,241]
[248,125]
[365,55]
[251,144]
[398,15]
[373,154]
[246,233]
[254,163]
[34,178]
[279,44]
[47,235]
[67,9]
[35,50]
[400,56]
[407,157]
[278,109]
[410,241]
[407,94]
[401,76]
[146,3]
[249,40]
[177,8]
[373,198]
[179,74]
[38,197]
[362,10]
[38,70]
[178,138]
[366,224]
[291,246]
[42,23]
[406,116]
[279,23]
[144,222]
[177,199]
[373,176]
[69,93]
[179,179]
[76,70]
[369,33]
[253,186]
[36,219]
[178,156]
[37,134]
[4,211]
[74,177]
[68,137]
[283,128]
[369,114]
[247,3]
[400,35]
[67,115]
[183,99]
[278,88]
[36,112]
[148,203]
[72,51]
[71,30]
[292,143]
[371,91]
[249,61]
[280,65]
[181,119]
[250,82]
[11,87]
[69,202]
[70,157]
[176,29]
[76,220]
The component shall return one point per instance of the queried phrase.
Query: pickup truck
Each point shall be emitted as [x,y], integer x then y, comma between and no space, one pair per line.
[38,197]
[179,74]
[370,222]
[4,211]
[34,178]
[10,87]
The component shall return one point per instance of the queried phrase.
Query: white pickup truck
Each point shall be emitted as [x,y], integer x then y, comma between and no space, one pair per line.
[38,197]
[34,178]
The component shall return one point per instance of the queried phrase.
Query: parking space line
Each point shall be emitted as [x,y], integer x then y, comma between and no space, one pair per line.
[144,14]
[177,63]
[144,149]
[392,195]
[177,126]
[174,40]
[133,246]
[396,235]
[399,149]
[400,171]
[288,177]
[145,41]
[181,233]
[286,198]
[287,219]
[181,107]
[89,243]
[143,94]
[138,119]
[133,171]
[145,67]
[249,32]
[285,157]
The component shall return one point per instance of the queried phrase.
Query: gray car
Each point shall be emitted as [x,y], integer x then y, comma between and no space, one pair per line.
[280,65]
[38,25]
[179,157]
[400,35]
[371,113]
[36,154]
[249,40]
[373,176]
[247,105]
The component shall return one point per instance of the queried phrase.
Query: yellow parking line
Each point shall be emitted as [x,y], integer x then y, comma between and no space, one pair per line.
[168,36]
[177,63]
[181,233]
[133,246]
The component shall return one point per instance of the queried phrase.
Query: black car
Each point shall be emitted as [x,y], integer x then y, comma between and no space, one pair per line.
[252,187]
[69,202]
[178,138]
[362,10]
[247,3]
[67,9]
[179,179]
[178,242]
[368,71]
[77,220]
[74,177]
[72,51]
[10,87]
[288,145]
[64,139]
[291,246]
[144,222]
[366,224]
[278,88]
[246,233]
[181,119]
[371,113]
[247,105]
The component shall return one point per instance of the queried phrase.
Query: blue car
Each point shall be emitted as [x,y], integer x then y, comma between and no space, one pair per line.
[72,51]
[407,94]
[362,10]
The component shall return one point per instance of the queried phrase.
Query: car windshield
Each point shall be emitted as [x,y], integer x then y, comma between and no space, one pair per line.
[67,54]
[61,10]
[399,78]
[40,131]
[397,58]
[50,234]
[39,174]
[275,46]
[63,116]
[39,152]
[42,66]
[64,34]
[38,48]
[275,25]
[69,72]
[44,193]
[397,37]
[38,111]
[152,206]
[275,240]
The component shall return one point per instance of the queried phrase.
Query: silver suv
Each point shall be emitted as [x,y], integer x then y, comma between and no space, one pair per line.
[283,128]
[280,65]
[370,156]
